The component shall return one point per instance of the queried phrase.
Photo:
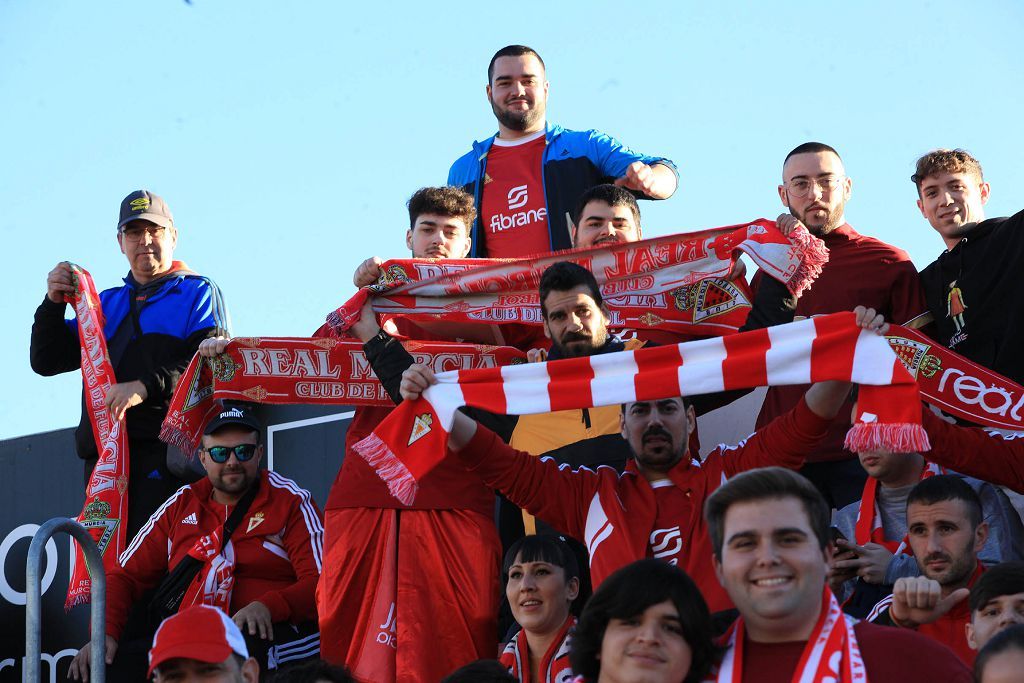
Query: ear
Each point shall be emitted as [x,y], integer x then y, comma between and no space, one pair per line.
[691,421]
[465,250]
[547,86]
[547,330]
[969,631]
[174,238]
[847,188]
[782,195]
[980,536]
[622,424]
[717,564]
[408,239]
[488,89]
[259,455]
[920,207]
[984,189]
[606,313]
[573,588]
[251,671]
[120,241]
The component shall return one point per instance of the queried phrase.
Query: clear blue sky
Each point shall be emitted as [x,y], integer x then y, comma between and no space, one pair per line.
[286,136]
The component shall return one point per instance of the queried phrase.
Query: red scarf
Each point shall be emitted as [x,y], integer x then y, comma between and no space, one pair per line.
[413,439]
[282,370]
[213,585]
[106,496]
[666,283]
[830,656]
[554,665]
[869,520]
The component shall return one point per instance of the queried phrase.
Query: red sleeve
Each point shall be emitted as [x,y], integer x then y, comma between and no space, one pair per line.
[978,453]
[544,488]
[898,654]
[304,541]
[143,565]
[783,442]
[907,301]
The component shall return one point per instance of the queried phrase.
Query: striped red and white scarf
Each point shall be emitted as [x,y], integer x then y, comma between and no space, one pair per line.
[830,656]
[106,495]
[413,439]
[554,666]
[869,519]
[672,283]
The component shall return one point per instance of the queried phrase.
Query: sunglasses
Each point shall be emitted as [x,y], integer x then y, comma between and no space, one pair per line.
[243,452]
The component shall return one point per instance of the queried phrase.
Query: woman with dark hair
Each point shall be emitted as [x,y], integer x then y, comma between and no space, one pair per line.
[647,622]
[542,579]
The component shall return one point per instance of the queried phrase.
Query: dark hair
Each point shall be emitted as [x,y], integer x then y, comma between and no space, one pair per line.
[313,672]
[627,593]
[943,487]
[563,276]
[443,201]
[1010,638]
[612,195]
[945,161]
[766,483]
[481,671]
[811,148]
[1006,578]
[511,51]
[559,551]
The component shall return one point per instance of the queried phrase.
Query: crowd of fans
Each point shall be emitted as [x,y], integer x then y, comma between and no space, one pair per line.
[626,556]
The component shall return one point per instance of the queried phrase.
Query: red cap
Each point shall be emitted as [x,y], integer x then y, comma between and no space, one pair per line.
[202,633]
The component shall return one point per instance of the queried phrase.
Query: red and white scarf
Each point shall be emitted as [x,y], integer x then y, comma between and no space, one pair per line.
[284,370]
[667,283]
[216,579]
[830,656]
[413,439]
[106,495]
[869,527]
[554,666]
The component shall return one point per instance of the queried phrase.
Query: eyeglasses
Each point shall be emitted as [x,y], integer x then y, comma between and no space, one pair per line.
[801,187]
[134,234]
[243,452]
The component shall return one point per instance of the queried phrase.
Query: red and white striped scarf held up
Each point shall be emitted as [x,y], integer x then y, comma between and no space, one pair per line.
[413,439]
[106,495]
[670,283]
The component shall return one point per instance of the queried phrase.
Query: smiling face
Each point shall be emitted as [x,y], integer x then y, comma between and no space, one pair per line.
[149,249]
[773,568]
[601,223]
[658,433]
[436,236]
[944,541]
[574,322]
[231,479]
[998,613]
[539,596]
[646,648]
[952,202]
[821,178]
[518,93]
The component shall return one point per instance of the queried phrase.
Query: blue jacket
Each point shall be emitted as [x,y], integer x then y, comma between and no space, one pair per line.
[574,161]
[152,332]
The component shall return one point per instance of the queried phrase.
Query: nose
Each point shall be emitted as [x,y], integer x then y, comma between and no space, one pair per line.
[947,199]
[1011,616]
[816,191]
[933,544]
[767,554]
[649,631]
[574,322]
[528,583]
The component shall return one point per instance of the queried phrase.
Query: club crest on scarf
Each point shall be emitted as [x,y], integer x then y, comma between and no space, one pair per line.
[96,515]
[915,356]
[420,427]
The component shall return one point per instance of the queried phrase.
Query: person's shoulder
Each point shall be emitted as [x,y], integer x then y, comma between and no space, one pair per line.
[908,654]
[883,249]
[278,485]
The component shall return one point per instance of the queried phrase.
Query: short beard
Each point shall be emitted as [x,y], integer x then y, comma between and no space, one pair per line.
[833,221]
[519,121]
[597,340]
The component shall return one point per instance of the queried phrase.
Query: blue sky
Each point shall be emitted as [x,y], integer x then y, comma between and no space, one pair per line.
[286,137]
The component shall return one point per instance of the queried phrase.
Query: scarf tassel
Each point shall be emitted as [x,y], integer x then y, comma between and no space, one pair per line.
[389,468]
[813,257]
[892,437]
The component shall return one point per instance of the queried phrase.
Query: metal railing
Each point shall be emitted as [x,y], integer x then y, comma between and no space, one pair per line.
[33,599]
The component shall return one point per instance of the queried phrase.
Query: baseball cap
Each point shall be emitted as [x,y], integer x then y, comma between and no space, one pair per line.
[202,633]
[144,205]
[236,414]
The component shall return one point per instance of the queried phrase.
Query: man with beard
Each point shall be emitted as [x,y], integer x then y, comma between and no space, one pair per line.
[653,509]
[264,576]
[526,179]
[946,531]
[861,271]
[969,286]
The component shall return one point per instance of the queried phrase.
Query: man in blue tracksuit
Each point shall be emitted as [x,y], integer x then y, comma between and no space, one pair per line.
[153,325]
[527,179]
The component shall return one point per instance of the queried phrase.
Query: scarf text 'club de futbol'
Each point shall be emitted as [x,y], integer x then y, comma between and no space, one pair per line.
[413,439]
[669,283]
[106,495]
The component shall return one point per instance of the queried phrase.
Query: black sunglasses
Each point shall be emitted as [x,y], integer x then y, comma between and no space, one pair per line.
[243,452]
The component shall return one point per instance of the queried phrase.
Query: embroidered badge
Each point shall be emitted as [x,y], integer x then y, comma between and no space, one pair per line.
[420,427]
[254,521]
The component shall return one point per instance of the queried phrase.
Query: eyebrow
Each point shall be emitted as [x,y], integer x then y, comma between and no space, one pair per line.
[782,531]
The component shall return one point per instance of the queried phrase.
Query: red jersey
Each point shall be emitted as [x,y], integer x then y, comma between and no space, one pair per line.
[278,548]
[513,210]
[861,271]
[614,514]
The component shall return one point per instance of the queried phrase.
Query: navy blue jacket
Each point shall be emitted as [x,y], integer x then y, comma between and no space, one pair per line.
[574,161]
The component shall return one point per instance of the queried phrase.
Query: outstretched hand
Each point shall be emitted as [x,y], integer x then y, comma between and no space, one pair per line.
[918,600]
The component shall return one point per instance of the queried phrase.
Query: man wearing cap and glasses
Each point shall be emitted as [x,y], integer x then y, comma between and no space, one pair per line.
[201,643]
[153,326]
[263,575]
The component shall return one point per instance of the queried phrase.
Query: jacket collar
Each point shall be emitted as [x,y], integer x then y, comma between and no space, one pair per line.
[481,147]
